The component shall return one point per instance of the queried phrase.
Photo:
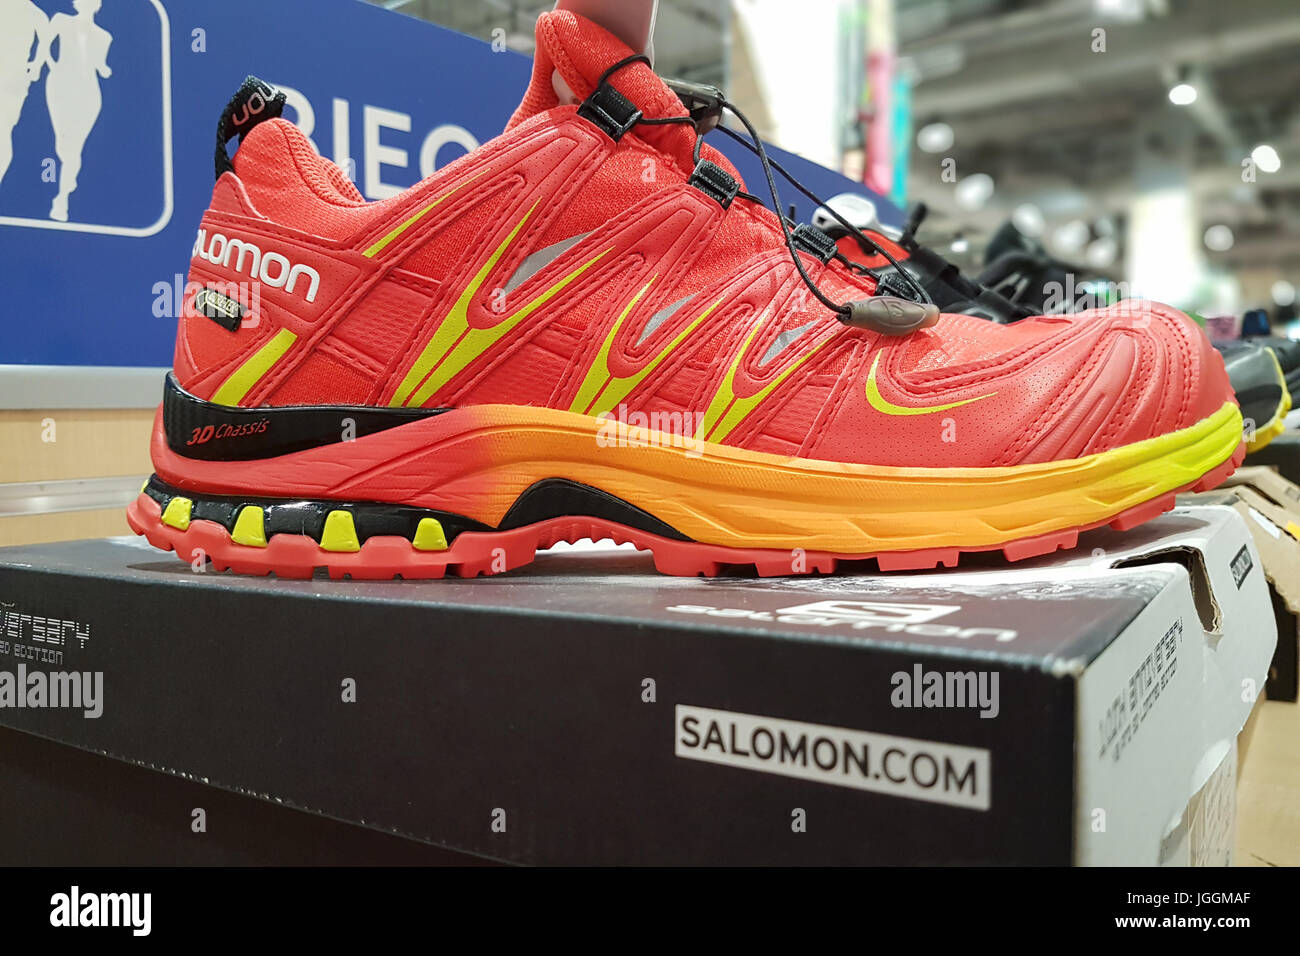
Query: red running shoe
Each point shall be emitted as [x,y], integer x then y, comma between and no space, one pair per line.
[586,328]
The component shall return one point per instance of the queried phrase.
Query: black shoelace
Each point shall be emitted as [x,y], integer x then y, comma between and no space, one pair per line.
[704,113]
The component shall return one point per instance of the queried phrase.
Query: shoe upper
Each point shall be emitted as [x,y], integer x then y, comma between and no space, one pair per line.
[1257,379]
[946,286]
[560,265]
[1288,356]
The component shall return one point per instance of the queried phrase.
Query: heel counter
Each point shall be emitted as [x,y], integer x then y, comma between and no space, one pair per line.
[262,274]
[258,297]
[212,312]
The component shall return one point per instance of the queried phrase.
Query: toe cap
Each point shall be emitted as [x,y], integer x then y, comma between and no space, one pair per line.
[1150,371]
[1176,378]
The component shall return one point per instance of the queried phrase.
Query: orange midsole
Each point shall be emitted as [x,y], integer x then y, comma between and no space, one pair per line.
[477,461]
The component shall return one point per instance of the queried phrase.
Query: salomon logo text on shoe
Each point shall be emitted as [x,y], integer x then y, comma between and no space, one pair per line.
[248,258]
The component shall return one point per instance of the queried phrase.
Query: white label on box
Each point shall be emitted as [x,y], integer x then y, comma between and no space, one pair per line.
[1264,523]
[882,763]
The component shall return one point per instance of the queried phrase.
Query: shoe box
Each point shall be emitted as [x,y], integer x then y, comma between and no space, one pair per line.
[1271,506]
[1082,708]
[1282,453]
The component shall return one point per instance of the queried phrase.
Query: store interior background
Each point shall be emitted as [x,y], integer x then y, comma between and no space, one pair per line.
[1168,160]
[1162,152]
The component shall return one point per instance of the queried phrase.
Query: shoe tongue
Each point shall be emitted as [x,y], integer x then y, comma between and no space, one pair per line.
[573,52]
[870,259]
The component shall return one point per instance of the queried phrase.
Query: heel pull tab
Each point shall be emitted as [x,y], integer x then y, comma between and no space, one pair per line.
[254,102]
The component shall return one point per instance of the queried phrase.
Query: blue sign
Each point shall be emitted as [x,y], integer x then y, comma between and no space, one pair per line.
[108,119]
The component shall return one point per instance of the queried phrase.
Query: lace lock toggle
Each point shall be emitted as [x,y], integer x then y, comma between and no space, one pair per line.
[889,315]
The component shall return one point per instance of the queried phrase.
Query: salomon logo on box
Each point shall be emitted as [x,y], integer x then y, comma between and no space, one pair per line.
[1241,565]
[892,618]
[882,763]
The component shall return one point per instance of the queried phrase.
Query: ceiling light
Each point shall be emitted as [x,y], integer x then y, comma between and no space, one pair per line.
[1101,252]
[960,245]
[1184,94]
[1071,237]
[974,191]
[1028,218]
[1219,238]
[1283,292]
[1120,9]
[1266,158]
[934,138]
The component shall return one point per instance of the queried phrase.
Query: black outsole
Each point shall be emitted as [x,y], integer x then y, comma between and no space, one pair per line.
[546,499]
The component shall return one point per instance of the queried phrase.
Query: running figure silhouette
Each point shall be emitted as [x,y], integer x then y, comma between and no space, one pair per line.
[24,24]
[72,88]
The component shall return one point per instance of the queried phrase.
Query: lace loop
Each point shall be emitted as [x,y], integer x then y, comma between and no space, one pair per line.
[705,106]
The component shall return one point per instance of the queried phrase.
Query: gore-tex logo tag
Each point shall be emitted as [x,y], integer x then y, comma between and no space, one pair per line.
[219,307]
